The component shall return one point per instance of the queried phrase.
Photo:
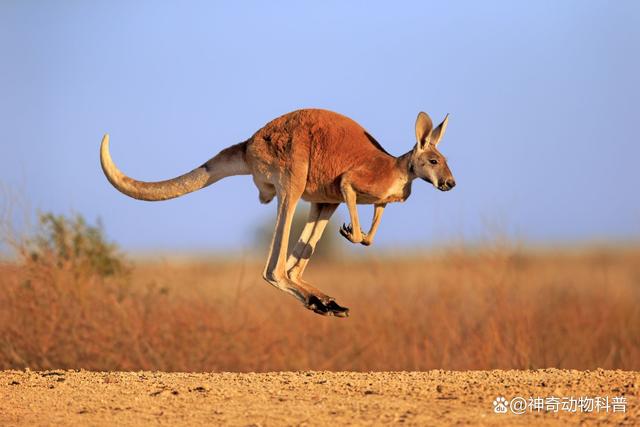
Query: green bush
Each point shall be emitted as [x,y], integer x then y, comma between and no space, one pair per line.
[72,243]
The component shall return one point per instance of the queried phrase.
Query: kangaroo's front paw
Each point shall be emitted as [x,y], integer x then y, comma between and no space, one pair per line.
[349,234]
[366,241]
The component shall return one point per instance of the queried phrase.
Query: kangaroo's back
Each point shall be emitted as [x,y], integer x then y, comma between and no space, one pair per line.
[327,143]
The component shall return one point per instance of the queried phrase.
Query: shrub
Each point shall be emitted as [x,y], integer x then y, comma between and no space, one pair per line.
[73,244]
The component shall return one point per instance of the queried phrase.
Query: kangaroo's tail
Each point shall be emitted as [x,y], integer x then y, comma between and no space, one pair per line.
[228,162]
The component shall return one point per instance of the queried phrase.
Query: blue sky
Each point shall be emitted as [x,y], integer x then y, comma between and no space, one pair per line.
[543,98]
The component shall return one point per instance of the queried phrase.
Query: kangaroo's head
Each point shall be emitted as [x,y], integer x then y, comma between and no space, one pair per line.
[426,161]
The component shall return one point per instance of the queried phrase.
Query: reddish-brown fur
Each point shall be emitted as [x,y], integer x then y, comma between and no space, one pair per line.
[319,156]
[325,145]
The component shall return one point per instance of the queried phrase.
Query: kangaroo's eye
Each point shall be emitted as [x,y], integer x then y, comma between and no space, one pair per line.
[433,161]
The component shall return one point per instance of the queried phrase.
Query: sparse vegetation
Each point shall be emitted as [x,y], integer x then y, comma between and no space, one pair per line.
[73,244]
[71,305]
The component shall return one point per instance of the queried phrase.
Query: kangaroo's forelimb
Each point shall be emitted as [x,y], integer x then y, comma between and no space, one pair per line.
[351,232]
[378,209]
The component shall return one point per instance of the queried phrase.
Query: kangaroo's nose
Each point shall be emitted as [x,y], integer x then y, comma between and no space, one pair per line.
[451,183]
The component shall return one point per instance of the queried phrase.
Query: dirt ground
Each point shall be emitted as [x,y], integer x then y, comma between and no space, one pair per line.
[308,398]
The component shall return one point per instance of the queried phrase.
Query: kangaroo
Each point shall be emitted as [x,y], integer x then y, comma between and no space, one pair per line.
[319,156]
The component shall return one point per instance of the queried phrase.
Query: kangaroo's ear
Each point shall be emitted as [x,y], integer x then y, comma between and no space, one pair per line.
[438,132]
[424,125]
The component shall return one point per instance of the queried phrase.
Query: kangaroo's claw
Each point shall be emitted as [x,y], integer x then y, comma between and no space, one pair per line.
[347,233]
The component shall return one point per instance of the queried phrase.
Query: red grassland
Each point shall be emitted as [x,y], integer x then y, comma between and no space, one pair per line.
[458,309]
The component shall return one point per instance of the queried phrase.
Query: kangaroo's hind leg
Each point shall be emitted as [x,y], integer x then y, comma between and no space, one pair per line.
[302,248]
[319,215]
[274,271]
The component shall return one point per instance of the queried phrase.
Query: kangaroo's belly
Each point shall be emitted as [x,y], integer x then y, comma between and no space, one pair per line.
[324,197]
[328,193]
[331,194]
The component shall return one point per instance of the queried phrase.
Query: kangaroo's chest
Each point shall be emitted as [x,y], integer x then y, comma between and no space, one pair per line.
[383,191]
[398,191]
[367,192]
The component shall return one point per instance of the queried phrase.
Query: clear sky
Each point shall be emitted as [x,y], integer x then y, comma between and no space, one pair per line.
[543,96]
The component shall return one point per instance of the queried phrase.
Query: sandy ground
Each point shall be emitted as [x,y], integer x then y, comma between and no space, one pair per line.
[306,398]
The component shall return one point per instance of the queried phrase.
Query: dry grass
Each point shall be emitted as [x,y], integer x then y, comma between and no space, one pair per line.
[459,309]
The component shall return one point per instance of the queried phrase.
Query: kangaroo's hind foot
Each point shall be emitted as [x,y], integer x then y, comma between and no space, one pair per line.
[319,303]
